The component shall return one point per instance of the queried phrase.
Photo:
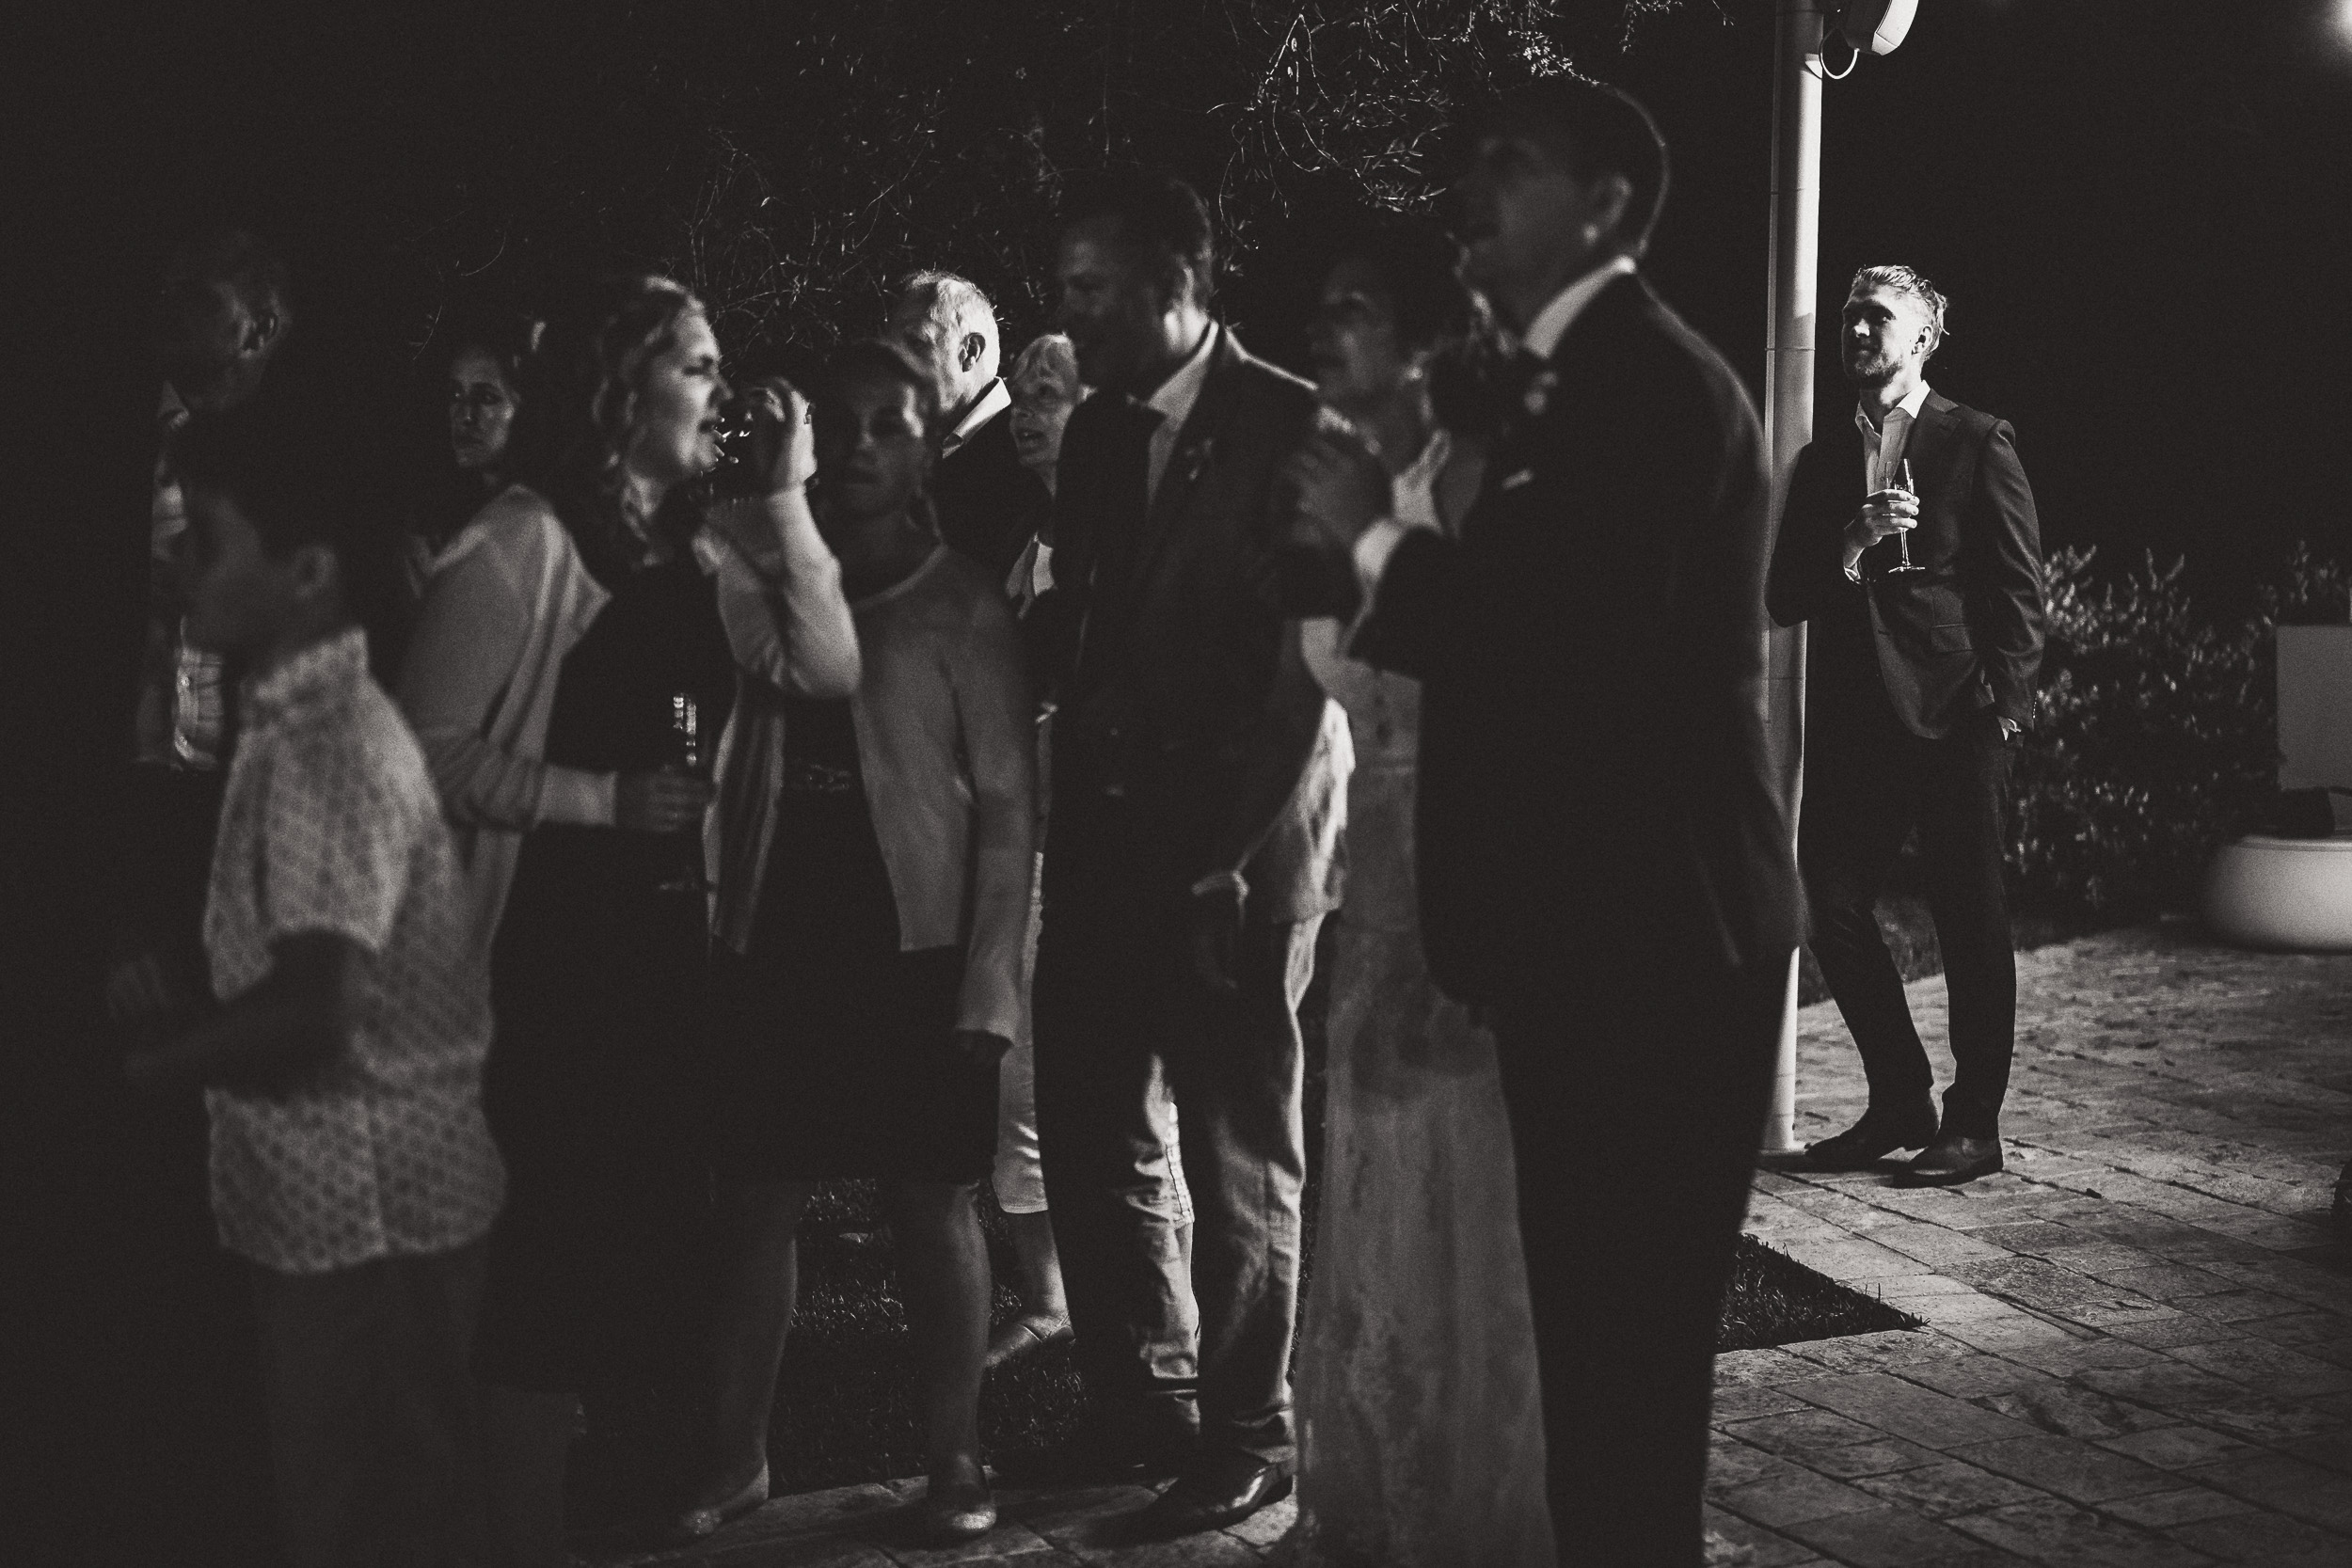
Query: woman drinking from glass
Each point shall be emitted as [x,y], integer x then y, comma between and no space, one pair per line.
[570,652]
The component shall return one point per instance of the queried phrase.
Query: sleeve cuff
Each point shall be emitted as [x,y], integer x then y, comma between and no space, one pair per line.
[1372,550]
[578,797]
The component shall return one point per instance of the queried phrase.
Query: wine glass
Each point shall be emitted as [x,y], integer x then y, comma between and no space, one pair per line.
[1902,540]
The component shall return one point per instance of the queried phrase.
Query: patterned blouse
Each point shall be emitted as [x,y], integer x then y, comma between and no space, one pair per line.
[331,824]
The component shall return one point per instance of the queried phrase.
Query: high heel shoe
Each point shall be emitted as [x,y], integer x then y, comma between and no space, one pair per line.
[707,1519]
[955,1511]
[1026,1336]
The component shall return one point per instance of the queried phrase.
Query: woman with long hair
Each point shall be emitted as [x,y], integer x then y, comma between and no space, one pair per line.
[568,659]
[875,860]
[479,392]
[1420,1433]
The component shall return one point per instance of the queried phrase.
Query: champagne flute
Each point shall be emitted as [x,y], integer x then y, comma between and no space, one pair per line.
[1902,539]
[686,735]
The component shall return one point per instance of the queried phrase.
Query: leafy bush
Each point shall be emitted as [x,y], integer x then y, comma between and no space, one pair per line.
[2159,739]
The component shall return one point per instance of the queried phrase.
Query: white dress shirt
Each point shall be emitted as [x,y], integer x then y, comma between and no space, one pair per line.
[1541,339]
[985,407]
[1173,403]
[1882,449]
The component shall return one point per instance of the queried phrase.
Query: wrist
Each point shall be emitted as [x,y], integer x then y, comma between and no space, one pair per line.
[1222,882]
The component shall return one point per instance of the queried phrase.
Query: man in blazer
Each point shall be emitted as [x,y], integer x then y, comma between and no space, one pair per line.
[990,505]
[1604,863]
[1926,604]
[1191,854]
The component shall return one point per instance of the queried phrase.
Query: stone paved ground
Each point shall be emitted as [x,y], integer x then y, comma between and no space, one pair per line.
[2139,1351]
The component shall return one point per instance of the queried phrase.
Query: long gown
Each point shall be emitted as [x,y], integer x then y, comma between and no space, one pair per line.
[1420,1420]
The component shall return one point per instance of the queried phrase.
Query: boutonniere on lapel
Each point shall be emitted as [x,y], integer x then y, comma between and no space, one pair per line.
[1537,396]
[1196,457]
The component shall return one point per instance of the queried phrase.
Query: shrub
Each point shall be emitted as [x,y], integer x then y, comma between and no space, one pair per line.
[2159,739]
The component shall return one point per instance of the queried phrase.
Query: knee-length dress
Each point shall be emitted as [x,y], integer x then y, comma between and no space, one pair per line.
[598,980]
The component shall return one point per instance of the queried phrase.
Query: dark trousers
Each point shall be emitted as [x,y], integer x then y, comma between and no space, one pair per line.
[371,1422]
[1636,1097]
[1174,1329]
[1867,783]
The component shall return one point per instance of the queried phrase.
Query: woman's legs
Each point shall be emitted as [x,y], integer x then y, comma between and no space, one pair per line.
[760,1219]
[1045,1310]
[942,1270]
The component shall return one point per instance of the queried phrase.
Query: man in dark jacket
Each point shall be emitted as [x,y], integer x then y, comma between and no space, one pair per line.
[1909,544]
[990,505]
[1198,777]
[1604,864]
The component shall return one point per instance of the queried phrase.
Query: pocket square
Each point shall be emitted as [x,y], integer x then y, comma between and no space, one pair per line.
[1523,477]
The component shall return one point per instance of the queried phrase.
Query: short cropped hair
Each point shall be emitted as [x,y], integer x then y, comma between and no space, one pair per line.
[1608,131]
[892,362]
[1913,285]
[1153,210]
[962,302]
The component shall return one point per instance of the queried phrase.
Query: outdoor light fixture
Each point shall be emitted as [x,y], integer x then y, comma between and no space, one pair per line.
[1875,25]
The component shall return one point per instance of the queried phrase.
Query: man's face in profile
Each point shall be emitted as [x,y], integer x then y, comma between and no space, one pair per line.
[1112,300]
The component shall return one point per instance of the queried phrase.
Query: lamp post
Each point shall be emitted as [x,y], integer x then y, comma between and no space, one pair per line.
[1787,426]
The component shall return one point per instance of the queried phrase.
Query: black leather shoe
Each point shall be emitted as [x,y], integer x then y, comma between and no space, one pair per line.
[1951,1160]
[1098,1454]
[1878,1134]
[1223,1488]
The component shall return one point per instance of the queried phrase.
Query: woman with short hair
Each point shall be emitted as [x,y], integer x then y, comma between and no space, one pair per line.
[875,856]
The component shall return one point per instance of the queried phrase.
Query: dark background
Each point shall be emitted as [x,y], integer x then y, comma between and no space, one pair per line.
[2138,208]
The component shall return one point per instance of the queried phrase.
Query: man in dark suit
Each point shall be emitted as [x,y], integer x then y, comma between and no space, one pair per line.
[990,505]
[1604,864]
[1198,777]
[1909,542]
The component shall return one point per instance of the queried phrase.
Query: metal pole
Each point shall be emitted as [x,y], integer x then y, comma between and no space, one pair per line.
[1788,425]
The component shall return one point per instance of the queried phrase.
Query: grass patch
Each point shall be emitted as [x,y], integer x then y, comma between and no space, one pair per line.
[1775,1300]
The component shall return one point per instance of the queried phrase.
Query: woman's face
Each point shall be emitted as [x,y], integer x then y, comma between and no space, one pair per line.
[872,454]
[1044,394]
[675,436]
[480,410]
[1352,342]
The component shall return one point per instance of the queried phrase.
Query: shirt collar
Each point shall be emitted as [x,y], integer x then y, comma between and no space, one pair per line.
[1552,323]
[1176,395]
[308,680]
[1909,408]
[990,403]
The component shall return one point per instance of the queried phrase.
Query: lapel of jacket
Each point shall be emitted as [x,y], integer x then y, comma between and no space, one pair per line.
[1930,448]
[1537,428]
[1196,445]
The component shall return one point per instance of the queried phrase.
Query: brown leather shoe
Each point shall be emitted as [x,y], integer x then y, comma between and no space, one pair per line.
[1951,1160]
[1222,1488]
[1878,1134]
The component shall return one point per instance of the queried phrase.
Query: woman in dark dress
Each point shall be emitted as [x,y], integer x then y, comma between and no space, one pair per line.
[873,895]
[598,965]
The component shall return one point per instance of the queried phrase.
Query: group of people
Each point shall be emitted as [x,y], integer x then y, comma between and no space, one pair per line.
[946,776]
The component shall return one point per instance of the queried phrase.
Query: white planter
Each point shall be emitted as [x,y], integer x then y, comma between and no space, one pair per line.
[2291,893]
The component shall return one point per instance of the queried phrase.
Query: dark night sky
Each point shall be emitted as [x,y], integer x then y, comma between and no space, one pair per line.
[2140,209]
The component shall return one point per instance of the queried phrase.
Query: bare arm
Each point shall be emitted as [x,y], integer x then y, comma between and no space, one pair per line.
[297,1019]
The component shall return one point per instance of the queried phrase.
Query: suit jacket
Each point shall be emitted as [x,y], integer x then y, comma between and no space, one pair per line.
[1165,645]
[1595,798]
[1964,633]
[989,505]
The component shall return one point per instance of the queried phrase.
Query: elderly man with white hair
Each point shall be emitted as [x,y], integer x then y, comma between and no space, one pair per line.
[989,504]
